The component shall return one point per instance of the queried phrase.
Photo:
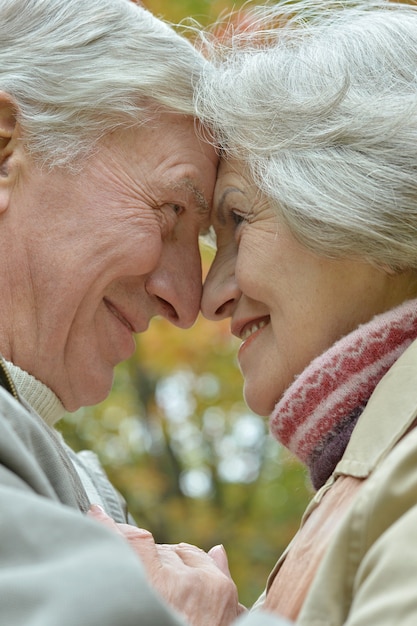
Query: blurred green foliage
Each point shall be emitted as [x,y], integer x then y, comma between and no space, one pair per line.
[203,11]
[177,440]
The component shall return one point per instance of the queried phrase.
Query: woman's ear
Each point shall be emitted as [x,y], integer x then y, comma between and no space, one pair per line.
[9,145]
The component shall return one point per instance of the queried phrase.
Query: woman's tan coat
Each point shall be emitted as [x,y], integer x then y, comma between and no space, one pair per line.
[354,560]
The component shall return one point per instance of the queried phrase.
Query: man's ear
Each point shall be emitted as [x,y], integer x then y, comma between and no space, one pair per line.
[9,144]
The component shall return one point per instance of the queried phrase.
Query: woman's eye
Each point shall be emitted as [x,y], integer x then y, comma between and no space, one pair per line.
[237,218]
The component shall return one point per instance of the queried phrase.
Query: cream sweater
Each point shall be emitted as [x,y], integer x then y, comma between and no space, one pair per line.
[37,395]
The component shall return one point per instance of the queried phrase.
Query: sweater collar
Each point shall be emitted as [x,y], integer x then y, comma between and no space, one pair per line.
[40,397]
[316,415]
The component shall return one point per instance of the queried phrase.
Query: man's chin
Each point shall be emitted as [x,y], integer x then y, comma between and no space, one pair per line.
[88,394]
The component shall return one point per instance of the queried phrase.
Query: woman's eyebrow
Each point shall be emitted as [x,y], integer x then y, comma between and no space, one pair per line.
[220,213]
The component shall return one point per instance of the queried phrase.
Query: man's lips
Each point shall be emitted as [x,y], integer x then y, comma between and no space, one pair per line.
[119,315]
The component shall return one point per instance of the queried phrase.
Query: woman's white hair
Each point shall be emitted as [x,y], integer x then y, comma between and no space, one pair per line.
[78,69]
[322,108]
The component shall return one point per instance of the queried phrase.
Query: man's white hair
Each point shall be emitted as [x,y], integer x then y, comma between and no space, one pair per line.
[77,69]
[322,108]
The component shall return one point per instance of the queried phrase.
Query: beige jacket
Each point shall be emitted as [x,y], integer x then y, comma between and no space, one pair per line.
[354,559]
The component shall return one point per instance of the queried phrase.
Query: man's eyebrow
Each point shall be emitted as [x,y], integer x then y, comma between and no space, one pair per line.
[203,206]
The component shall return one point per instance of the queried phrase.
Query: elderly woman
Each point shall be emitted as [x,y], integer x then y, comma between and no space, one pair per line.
[104,188]
[315,215]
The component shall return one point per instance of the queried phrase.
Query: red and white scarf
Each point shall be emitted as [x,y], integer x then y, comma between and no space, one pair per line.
[315,416]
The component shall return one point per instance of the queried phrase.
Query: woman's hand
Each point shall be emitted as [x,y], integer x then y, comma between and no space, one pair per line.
[195,584]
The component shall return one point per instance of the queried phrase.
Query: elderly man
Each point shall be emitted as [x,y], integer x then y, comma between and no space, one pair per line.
[104,188]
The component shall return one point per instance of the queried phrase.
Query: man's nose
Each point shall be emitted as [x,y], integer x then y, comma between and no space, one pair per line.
[176,284]
[220,292]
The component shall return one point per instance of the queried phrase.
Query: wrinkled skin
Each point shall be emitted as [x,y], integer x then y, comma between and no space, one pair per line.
[89,257]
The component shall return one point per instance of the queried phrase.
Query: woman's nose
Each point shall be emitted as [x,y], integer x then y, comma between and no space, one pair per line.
[220,290]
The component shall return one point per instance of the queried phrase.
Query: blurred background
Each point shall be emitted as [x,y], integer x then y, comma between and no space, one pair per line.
[177,440]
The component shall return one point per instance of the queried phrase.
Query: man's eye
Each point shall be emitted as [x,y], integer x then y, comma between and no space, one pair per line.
[177,208]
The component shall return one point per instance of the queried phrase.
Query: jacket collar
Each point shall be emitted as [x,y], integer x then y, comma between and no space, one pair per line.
[389,414]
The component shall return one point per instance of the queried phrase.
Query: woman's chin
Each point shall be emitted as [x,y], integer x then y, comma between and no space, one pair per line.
[257,404]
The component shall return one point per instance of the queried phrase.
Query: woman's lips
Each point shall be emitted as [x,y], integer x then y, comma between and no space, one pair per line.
[244,330]
[252,327]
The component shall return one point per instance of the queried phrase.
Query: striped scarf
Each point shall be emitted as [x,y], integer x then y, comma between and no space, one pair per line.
[316,415]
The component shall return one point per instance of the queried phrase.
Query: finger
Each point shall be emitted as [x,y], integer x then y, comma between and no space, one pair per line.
[219,556]
[132,534]
[195,557]
[168,555]
[98,513]
[178,555]
[142,542]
